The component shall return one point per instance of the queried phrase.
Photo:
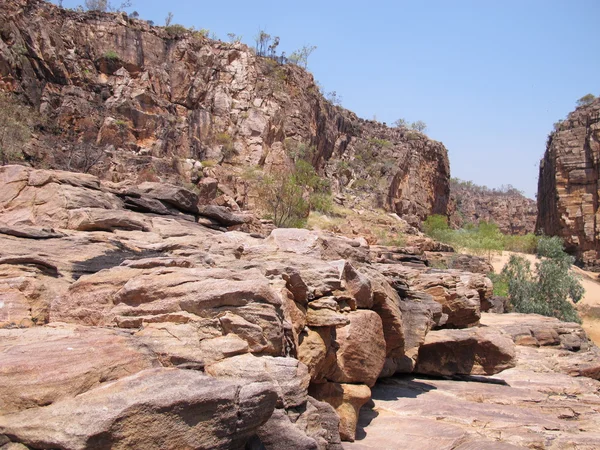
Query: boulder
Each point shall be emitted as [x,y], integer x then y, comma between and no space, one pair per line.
[465,352]
[347,400]
[361,352]
[153,409]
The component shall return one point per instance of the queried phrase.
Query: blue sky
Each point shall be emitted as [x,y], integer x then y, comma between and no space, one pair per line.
[488,77]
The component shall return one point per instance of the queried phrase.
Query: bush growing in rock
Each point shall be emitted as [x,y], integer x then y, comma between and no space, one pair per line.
[289,195]
[546,290]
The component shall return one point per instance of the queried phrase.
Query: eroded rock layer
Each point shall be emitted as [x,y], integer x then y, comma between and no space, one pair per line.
[568,185]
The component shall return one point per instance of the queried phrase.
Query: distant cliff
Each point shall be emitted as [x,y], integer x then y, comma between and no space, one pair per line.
[568,184]
[508,208]
[155,102]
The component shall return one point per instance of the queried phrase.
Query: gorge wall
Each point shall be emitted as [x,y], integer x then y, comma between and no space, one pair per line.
[508,208]
[568,184]
[155,102]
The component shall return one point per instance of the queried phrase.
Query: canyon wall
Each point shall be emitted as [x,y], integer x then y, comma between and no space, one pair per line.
[508,208]
[568,184]
[156,103]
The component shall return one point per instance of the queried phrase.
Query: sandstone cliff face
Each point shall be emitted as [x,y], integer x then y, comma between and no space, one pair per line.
[509,209]
[568,185]
[156,104]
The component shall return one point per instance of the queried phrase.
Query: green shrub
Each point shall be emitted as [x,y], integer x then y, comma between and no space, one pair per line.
[522,244]
[176,30]
[112,55]
[288,196]
[547,289]
[586,100]
[500,284]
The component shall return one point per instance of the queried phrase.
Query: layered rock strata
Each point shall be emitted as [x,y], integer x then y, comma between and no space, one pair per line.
[568,184]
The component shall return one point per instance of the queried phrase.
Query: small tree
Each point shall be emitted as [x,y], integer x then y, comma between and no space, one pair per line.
[169,19]
[262,40]
[401,123]
[300,57]
[334,98]
[586,100]
[15,128]
[419,125]
[545,291]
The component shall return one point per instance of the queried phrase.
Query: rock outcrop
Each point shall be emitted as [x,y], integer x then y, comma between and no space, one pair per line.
[125,100]
[251,342]
[568,184]
[536,404]
[508,208]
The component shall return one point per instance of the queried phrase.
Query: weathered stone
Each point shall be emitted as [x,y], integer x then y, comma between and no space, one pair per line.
[186,409]
[477,352]
[289,375]
[361,352]
[347,400]
[42,365]
[223,215]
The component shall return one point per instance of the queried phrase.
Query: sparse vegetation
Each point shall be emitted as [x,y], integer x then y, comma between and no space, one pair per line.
[111,55]
[289,195]
[300,56]
[16,122]
[176,30]
[419,126]
[546,290]
[484,239]
[105,5]
[334,98]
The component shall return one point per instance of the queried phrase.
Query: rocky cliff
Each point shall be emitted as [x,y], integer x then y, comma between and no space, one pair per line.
[508,208]
[568,184]
[122,99]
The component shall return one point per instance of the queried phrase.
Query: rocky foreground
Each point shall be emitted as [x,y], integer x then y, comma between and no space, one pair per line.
[131,317]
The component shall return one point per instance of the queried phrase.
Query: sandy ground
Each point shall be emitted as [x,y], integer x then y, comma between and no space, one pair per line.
[591,298]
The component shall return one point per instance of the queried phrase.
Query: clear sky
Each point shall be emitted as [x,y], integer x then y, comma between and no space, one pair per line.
[488,77]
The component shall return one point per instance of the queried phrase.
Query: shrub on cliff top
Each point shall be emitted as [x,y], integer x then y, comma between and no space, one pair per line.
[586,100]
[546,290]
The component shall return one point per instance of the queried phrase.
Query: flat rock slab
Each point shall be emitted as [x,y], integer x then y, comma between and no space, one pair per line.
[516,409]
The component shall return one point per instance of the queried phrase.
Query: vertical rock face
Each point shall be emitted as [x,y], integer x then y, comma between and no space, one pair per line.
[568,185]
[155,104]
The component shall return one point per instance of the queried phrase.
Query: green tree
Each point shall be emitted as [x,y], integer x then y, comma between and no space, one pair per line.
[16,122]
[547,289]
[586,100]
